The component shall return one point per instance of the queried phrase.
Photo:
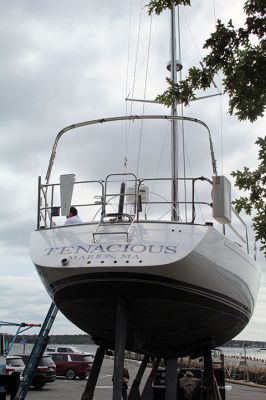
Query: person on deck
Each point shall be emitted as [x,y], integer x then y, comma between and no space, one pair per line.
[73,217]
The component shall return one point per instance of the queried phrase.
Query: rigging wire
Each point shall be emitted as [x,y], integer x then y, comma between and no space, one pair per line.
[182,108]
[197,47]
[141,65]
[134,78]
[127,79]
[191,34]
[145,87]
[221,99]
[144,95]
[221,133]
[158,167]
[214,11]
[136,57]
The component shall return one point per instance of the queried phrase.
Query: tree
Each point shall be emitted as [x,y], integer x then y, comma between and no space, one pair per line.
[255,183]
[241,56]
[239,53]
[158,6]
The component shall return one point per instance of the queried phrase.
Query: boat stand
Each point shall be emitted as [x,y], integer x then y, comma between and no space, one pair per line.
[147,393]
[171,379]
[94,374]
[134,393]
[120,343]
[211,388]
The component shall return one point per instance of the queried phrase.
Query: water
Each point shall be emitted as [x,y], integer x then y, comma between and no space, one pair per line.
[19,348]
[240,352]
[91,348]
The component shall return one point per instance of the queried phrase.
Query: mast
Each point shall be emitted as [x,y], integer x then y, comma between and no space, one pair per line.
[174,136]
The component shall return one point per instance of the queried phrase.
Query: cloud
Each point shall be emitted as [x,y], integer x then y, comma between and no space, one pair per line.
[257,325]
[66,61]
[24,299]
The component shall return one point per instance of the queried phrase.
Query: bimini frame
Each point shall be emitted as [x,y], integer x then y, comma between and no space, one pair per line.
[128,118]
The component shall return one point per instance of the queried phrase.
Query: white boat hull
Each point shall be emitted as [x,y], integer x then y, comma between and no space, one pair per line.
[184,285]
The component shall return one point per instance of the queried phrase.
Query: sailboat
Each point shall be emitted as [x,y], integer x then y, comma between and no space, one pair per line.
[186,283]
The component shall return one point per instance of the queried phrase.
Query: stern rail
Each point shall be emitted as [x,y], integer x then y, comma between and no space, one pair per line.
[100,202]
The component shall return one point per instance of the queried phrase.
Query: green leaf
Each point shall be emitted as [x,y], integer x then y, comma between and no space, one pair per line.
[158,6]
[233,52]
[254,203]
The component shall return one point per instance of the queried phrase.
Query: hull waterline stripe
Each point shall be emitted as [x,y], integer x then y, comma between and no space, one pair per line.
[188,288]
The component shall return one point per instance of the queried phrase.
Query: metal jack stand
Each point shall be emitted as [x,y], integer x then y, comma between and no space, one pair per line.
[147,393]
[36,353]
[212,390]
[134,393]
[92,380]
[120,343]
[171,379]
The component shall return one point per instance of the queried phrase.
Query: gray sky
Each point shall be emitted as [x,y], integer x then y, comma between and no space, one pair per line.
[66,61]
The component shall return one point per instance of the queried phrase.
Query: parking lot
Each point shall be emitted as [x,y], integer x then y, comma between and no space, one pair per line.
[63,389]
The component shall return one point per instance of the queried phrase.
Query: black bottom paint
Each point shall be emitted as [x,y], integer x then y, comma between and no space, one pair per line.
[165,318]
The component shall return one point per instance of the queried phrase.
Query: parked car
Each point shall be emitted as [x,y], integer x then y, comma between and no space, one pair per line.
[46,371]
[14,364]
[71,365]
[63,349]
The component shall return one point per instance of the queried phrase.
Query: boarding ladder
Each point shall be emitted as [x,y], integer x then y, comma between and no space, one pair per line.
[118,223]
[36,353]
